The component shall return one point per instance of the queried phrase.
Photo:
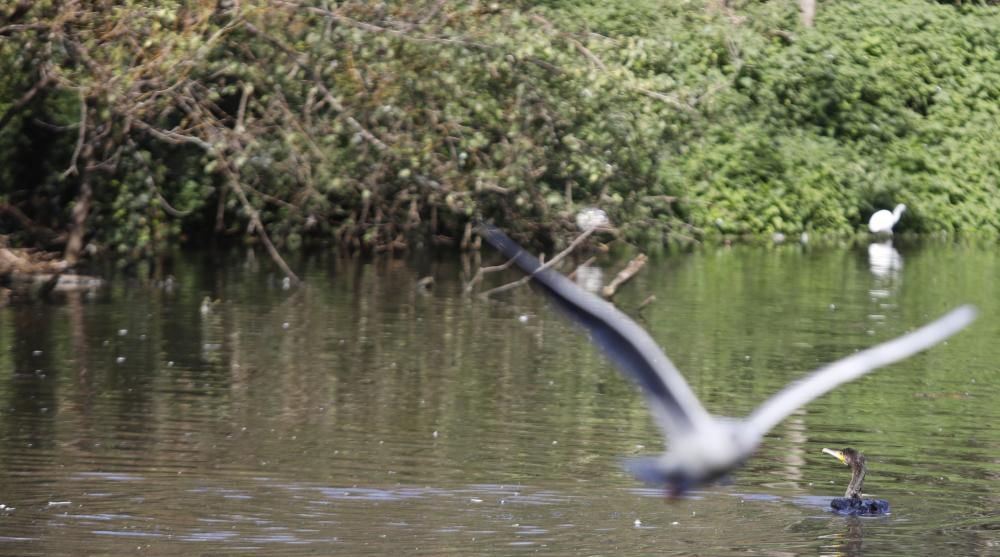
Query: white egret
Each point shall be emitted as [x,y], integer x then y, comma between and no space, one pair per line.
[883,221]
[702,447]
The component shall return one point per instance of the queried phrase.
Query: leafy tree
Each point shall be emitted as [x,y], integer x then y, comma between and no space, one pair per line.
[375,124]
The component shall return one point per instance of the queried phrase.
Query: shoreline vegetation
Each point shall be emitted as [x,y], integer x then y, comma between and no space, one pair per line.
[129,127]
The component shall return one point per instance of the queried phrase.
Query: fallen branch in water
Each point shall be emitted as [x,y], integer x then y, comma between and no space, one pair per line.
[34,274]
[28,262]
[630,270]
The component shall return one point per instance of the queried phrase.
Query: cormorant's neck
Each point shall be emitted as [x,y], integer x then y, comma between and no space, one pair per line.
[857,478]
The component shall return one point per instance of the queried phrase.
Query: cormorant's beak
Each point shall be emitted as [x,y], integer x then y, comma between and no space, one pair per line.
[839,455]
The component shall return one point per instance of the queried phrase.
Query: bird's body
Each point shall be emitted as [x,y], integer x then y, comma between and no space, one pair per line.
[882,221]
[859,507]
[701,447]
[590,218]
[852,502]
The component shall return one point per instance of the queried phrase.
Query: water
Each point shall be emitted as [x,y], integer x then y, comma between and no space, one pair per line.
[359,415]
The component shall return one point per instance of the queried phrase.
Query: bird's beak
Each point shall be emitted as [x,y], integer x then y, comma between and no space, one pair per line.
[839,455]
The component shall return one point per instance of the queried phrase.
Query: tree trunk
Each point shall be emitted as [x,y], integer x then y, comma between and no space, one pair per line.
[78,224]
[808,11]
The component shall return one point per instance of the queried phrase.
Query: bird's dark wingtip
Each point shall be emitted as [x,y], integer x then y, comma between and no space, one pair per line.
[509,248]
[649,471]
[499,240]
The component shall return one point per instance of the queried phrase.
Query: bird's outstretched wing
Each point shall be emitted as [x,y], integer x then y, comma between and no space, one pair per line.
[825,379]
[622,340]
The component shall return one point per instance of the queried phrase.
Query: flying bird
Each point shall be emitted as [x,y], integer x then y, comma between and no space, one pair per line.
[702,447]
[882,221]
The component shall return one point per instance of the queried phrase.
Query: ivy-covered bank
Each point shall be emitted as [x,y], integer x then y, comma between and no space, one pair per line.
[130,125]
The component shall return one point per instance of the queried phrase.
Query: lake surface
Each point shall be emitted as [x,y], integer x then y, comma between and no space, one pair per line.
[359,415]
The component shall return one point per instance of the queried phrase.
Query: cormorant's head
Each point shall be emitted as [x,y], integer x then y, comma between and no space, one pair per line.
[856,461]
[848,456]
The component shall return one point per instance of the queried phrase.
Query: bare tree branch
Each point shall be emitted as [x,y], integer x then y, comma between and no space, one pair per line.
[410,34]
[258,226]
[174,137]
[21,102]
[559,257]
[242,110]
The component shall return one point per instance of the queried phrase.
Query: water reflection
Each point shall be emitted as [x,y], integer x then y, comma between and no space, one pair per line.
[847,537]
[886,266]
[589,277]
[359,416]
[796,441]
[884,260]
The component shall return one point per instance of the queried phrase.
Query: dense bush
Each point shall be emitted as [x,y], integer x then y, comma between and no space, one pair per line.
[375,123]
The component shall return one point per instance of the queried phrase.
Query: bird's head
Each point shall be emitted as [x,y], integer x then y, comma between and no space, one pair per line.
[848,456]
[856,461]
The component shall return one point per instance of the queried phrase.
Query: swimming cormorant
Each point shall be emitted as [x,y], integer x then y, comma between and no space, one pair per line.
[852,503]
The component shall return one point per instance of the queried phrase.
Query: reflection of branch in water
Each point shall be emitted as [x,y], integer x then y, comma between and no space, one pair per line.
[846,542]
[854,539]
[790,458]
[795,435]
[81,402]
[469,259]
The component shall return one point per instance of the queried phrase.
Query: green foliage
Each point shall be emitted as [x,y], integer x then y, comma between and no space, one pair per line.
[903,88]
[376,121]
[814,129]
